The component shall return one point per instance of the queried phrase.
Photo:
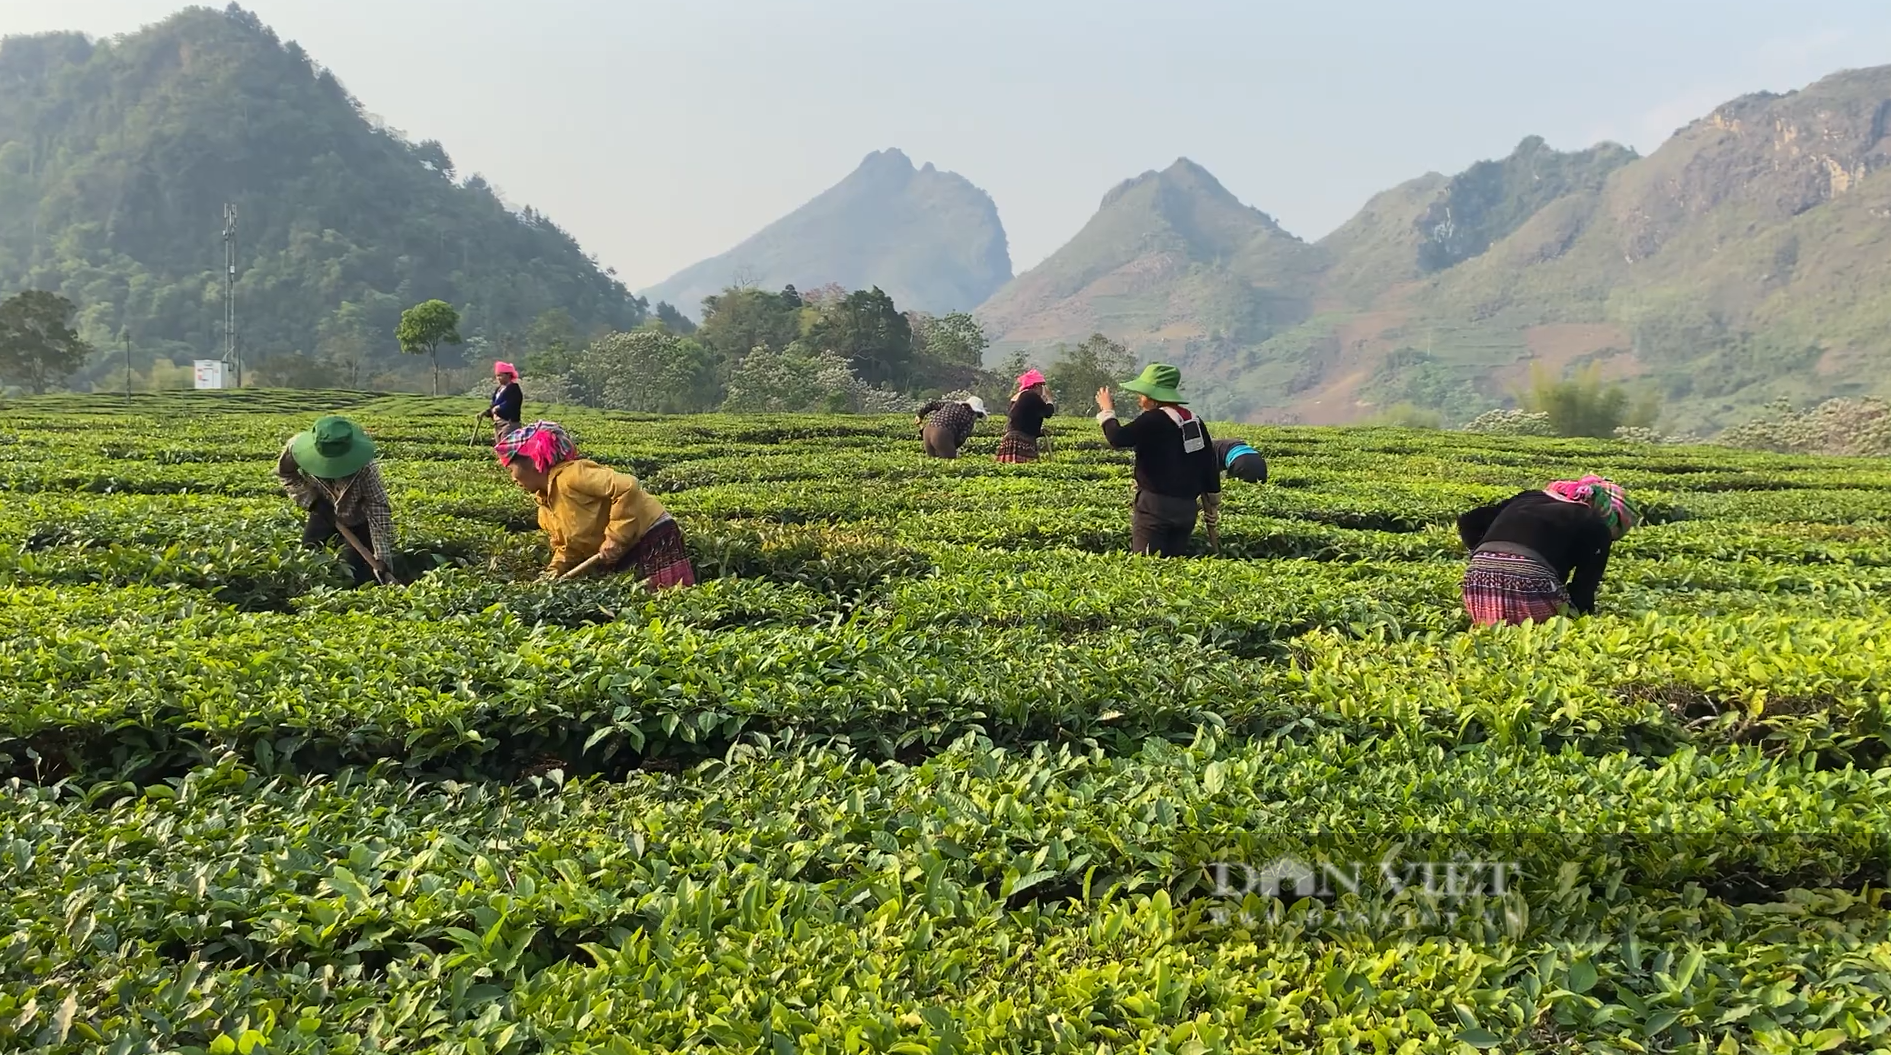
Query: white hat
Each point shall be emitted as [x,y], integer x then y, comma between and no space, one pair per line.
[977,405]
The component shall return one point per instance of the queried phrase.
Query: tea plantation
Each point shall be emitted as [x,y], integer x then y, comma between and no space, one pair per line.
[928,763]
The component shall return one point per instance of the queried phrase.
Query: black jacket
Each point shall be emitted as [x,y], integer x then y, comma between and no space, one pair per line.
[1027,414]
[1162,466]
[1571,538]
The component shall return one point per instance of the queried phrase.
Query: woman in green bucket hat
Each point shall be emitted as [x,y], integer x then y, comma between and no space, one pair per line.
[331,472]
[1177,474]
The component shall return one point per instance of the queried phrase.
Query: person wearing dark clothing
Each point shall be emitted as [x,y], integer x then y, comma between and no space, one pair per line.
[1177,474]
[1024,423]
[508,400]
[1524,549]
[331,472]
[1241,461]
[945,424]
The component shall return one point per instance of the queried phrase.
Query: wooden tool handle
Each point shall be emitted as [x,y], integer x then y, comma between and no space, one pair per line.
[589,563]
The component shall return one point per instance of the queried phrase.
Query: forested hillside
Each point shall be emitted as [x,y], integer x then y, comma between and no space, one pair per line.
[1744,261]
[116,160]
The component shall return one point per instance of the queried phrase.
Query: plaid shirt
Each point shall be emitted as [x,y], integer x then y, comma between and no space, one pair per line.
[357,498]
[956,418]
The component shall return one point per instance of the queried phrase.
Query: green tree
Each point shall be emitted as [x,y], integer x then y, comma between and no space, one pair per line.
[866,329]
[424,328]
[673,320]
[1078,372]
[649,370]
[1583,405]
[737,321]
[956,339]
[38,344]
[551,343]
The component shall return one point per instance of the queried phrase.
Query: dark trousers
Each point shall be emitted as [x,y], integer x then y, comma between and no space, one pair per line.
[1162,524]
[940,443]
[321,528]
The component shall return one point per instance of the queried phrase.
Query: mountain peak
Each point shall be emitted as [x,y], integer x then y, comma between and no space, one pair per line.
[891,159]
[928,237]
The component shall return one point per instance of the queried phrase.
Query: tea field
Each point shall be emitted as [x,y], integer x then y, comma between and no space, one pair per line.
[928,763]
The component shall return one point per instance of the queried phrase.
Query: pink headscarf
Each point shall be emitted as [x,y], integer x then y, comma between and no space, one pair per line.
[1608,499]
[543,442]
[503,369]
[1029,378]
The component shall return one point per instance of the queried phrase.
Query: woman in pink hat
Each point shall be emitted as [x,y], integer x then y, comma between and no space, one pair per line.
[1024,424]
[508,402]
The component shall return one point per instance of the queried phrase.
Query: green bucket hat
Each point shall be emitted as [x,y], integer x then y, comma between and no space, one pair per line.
[333,449]
[1158,382]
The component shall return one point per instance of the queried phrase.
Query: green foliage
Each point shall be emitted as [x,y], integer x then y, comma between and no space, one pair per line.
[739,320]
[927,761]
[1076,374]
[868,330]
[1491,199]
[117,157]
[650,370]
[955,339]
[1406,416]
[1583,406]
[1837,426]
[37,342]
[424,328]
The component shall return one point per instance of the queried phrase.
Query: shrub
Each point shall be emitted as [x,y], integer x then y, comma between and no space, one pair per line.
[1511,423]
[1837,426]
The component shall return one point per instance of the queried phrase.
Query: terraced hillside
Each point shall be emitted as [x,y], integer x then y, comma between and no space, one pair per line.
[927,763]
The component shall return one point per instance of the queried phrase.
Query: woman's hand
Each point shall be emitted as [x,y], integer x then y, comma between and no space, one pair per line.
[612,551]
[1105,403]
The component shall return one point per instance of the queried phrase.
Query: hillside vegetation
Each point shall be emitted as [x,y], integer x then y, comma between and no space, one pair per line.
[1742,262]
[117,158]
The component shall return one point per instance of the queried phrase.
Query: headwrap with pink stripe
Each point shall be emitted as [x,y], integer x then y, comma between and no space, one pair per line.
[1608,499]
[544,442]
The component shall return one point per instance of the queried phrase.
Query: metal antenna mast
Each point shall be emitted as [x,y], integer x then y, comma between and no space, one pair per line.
[229,292]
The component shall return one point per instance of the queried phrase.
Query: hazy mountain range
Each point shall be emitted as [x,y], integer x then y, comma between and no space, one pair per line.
[1747,258]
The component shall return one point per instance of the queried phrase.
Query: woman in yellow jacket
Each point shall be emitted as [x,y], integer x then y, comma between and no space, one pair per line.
[590,510]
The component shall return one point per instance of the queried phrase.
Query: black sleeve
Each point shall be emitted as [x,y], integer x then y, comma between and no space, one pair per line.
[1588,570]
[1125,437]
[1049,408]
[1473,526]
[927,410]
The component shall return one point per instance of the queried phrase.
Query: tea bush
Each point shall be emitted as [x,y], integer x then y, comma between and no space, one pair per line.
[927,762]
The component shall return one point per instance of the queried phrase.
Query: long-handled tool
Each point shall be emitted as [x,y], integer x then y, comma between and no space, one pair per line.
[474,441]
[380,569]
[590,562]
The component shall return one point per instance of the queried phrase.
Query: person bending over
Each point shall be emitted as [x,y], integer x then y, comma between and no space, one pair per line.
[1525,548]
[591,510]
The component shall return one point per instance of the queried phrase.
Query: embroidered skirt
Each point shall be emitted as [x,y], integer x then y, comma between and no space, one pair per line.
[1509,588]
[659,557]
[1016,447]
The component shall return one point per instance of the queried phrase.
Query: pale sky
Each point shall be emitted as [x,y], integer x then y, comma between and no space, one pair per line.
[663,133]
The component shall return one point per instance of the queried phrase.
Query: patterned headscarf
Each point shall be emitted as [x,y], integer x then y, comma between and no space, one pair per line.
[545,442]
[1610,502]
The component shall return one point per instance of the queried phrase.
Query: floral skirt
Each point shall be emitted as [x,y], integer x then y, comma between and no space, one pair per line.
[1511,588]
[1016,447]
[659,557]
